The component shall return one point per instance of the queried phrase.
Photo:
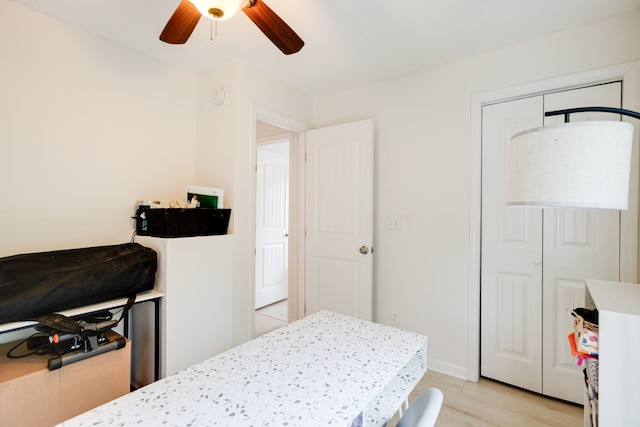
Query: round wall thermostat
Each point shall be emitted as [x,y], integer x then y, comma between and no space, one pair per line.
[219,95]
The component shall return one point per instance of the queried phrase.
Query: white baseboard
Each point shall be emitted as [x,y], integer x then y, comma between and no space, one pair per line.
[447,369]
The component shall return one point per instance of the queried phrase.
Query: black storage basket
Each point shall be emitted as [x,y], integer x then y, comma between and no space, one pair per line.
[182,222]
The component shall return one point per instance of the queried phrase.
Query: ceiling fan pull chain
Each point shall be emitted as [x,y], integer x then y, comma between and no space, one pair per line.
[213,29]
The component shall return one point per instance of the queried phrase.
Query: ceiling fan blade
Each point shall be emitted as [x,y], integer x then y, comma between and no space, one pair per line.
[181,24]
[273,27]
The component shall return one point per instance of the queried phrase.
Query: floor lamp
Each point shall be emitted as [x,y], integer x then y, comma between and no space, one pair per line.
[573,165]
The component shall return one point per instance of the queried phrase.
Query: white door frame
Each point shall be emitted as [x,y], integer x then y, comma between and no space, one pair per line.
[295,299]
[629,73]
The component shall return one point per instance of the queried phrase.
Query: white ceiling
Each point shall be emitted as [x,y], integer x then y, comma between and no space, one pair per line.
[348,43]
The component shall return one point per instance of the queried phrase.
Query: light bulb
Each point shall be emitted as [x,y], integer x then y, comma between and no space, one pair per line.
[219,10]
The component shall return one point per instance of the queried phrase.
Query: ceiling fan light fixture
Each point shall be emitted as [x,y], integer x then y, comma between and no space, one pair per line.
[219,10]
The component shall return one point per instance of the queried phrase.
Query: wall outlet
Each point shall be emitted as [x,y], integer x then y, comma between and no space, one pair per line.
[393,319]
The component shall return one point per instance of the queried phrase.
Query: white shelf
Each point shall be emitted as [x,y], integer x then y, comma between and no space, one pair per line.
[618,307]
[107,305]
[615,296]
[195,274]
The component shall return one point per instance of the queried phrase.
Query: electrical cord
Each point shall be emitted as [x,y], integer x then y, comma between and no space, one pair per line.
[10,354]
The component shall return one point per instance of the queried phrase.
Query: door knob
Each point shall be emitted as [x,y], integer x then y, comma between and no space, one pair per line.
[537,261]
[364,250]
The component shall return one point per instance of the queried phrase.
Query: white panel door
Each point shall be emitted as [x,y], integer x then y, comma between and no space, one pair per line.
[339,223]
[511,256]
[578,244]
[272,225]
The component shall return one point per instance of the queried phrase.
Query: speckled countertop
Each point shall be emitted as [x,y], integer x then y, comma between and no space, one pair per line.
[323,370]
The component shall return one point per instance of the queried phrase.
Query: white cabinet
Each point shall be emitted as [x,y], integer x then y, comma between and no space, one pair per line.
[195,273]
[618,307]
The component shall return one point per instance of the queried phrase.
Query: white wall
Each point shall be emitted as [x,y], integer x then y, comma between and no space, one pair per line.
[423,171]
[225,153]
[87,128]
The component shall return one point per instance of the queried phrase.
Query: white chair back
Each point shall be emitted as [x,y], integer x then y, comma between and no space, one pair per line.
[424,411]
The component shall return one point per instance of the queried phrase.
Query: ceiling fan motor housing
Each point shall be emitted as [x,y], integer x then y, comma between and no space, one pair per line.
[216,13]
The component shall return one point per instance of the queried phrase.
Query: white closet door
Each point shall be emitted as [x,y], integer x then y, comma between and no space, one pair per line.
[511,256]
[534,261]
[578,244]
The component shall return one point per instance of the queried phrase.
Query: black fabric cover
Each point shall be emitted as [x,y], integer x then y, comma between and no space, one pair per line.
[35,284]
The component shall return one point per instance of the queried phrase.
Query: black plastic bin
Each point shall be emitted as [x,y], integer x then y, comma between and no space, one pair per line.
[181,222]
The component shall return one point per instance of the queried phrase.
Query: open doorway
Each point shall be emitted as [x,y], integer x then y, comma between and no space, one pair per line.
[272,227]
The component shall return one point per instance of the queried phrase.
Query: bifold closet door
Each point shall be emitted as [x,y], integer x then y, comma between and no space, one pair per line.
[534,261]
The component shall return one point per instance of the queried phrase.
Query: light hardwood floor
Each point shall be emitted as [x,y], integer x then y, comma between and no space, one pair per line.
[482,404]
[490,403]
[270,317]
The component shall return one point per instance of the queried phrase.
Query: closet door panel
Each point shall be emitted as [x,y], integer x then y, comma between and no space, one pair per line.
[511,256]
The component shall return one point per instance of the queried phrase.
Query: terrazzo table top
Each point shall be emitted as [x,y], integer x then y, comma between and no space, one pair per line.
[323,370]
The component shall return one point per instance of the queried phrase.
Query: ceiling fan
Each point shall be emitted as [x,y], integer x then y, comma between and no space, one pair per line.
[184,20]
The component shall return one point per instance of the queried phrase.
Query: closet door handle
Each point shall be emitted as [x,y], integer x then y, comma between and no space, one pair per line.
[537,261]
